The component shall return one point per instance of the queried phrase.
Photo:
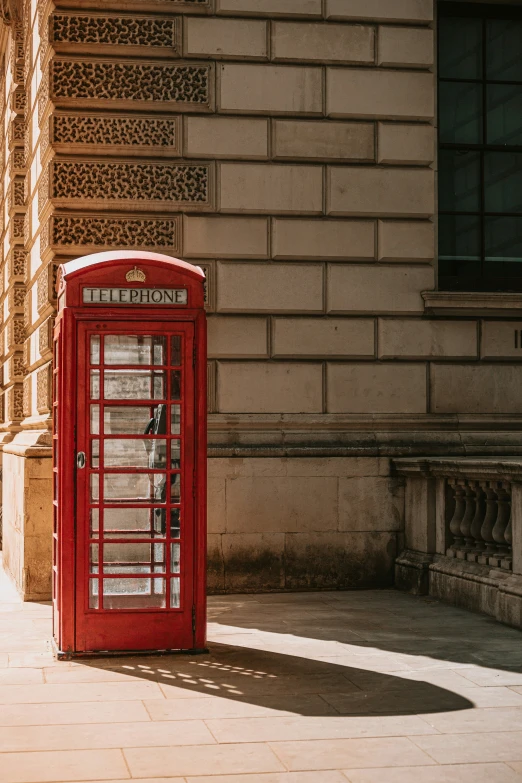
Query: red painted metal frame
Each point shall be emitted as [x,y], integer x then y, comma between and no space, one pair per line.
[151,630]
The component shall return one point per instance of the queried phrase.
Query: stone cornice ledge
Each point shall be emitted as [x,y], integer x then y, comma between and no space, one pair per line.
[32,443]
[315,435]
[497,469]
[467,304]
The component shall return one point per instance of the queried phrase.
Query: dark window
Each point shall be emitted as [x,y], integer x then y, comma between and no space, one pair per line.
[480,147]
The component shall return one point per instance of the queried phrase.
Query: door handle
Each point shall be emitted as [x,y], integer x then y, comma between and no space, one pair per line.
[80,460]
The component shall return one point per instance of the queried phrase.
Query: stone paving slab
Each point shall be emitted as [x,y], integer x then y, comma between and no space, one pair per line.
[344,687]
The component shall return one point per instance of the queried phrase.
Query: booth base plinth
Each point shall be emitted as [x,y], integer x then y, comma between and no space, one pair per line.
[69,655]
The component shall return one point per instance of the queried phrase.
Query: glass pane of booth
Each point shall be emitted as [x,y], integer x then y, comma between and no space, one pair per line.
[175,523]
[175,358]
[95,453]
[175,388]
[135,453]
[94,550]
[134,558]
[175,419]
[175,550]
[95,419]
[134,522]
[134,487]
[175,488]
[134,349]
[135,548]
[175,454]
[134,385]
[137,593]
[95,349]
[95,522]
[175,593]
[95,487]
[94,600]
[95,384]
[134,420]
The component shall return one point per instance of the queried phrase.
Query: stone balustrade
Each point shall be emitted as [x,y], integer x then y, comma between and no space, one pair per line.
[463,533]
[480,527]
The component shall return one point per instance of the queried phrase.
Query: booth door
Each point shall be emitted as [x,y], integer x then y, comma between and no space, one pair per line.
[135,490]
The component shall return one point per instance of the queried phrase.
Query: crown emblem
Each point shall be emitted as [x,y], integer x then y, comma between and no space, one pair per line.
[135,276]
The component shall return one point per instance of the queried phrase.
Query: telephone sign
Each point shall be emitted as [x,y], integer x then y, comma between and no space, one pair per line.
[129,456]
[139,296]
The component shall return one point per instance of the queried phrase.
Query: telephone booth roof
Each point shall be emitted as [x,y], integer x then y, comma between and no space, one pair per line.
[153,272]
[80,265]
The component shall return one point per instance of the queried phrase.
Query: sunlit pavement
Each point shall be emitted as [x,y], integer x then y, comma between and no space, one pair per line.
[367,687]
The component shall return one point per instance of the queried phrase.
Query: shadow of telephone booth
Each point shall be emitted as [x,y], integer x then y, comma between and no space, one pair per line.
[129,435]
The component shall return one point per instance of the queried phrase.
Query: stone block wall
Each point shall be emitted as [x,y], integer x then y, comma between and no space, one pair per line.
[302,523]
[289,148]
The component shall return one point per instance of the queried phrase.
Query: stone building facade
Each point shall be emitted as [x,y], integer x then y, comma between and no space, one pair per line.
[288,147]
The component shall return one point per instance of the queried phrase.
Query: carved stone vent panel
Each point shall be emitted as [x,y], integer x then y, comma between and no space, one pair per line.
[45,287]
[17,161]
[113,30]
[45,138]
[17,263]
[17,61]
[43,389]
[18,229]
[45,236]
[99,81]
[27,309]
[99,232]
[162,6]
[15,402]
[43,189]
[17,194]
[18,365]
[19,100]
[27,353]
[45,336]
[80,129]
[15,333]
[43,97]
[140,182]
[17,297]
[16,132]
[26,397]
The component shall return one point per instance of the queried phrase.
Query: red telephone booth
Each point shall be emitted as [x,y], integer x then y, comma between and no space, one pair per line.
[129,455]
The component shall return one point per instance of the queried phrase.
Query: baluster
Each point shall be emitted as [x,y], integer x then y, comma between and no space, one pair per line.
[467,519]
[508,535]
[477,522]
[490,518]
[499,530]
[456,520]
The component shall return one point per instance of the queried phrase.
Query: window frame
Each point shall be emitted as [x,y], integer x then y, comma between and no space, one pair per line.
[484,281]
